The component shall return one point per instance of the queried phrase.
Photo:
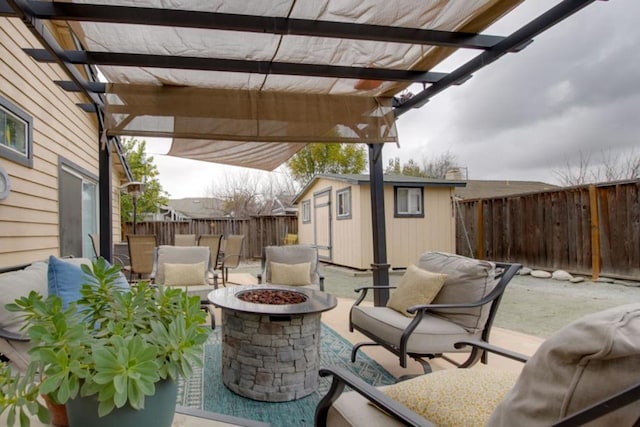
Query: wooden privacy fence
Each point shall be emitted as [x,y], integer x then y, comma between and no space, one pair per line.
[589,230]
[259,231]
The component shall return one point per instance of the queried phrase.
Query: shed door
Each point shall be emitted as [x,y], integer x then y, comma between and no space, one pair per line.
[322,223]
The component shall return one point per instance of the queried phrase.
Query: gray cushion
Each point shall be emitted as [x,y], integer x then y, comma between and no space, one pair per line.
[180,255]
[433,335]
[581,364]
[468,280]
[292,254]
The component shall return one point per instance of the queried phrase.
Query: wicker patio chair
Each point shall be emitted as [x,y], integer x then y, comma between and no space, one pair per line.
[232,254]
[184,240]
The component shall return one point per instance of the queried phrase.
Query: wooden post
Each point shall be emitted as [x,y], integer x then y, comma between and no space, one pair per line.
[595,232]
[480,254]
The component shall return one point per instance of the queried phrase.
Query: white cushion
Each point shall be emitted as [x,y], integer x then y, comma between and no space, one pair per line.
[292,254]
[16,284]
[180,255]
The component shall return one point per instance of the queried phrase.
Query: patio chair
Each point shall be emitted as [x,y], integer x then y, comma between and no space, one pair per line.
[213,241]
[231,257]
[294,265]
[141,248]
[184,240]
[588,370]
[95,243]
[186,267]
[457,301]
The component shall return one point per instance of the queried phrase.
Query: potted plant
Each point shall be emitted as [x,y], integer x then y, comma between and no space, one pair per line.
[112,352]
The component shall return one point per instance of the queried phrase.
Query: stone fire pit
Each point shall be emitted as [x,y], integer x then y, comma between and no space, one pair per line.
[270,340]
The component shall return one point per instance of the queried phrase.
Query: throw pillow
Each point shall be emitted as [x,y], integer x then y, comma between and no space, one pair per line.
[582,363]
[454,397]
[184,274]
[290,274]
[17,284]
[417,286]
[65,278]
[468,280]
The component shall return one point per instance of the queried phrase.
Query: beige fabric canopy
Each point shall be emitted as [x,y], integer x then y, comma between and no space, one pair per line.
[233,117]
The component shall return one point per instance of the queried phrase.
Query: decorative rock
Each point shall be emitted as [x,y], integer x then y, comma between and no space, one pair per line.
[524,271]
[540,274]
[578,279]
[604,280]
[561,275]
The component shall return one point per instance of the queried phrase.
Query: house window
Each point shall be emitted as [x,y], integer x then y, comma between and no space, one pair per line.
[78,192]
[409,202]
[306,211]
[15,133]
[343,207]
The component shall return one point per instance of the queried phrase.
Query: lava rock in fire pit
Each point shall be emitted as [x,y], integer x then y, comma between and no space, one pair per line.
[272,296]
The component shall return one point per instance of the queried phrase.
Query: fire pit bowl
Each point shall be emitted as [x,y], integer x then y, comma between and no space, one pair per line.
[272,296]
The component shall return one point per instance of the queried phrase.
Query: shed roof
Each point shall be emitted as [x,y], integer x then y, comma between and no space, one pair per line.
[360,179]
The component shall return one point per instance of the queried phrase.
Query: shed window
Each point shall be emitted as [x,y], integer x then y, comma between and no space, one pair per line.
[343,208]
[15,133]
[306,211]
[409,202]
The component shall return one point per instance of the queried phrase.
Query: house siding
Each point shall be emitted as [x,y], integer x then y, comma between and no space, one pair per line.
[29,224]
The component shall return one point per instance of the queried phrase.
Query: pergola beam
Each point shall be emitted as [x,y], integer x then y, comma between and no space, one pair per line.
[257,24]
[235,65]
[513,42]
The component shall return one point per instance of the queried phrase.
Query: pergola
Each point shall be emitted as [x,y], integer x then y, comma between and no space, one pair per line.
[250,83]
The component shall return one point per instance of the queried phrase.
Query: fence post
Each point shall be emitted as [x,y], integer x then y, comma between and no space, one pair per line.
[595,232]
[480,254]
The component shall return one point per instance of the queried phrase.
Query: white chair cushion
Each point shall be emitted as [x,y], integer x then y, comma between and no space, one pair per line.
[16,284]
[292,254]
[433,335]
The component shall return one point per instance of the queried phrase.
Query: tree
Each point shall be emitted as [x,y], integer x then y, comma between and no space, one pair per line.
[611,168]
[434,168]
[144,170]
[319,158]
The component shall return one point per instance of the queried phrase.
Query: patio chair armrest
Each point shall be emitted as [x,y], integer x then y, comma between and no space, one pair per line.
[429,307]
[493,349]
[363,292]
[12,336]
[342,377]
[259,276]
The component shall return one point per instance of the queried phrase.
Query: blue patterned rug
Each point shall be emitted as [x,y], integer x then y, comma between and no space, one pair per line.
[204,390]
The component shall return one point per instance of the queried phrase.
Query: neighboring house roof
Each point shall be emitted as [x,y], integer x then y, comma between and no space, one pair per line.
[198,207]
[482,189]
[358,179]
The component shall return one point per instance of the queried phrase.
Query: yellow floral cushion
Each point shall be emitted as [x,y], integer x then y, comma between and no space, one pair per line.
[290,274]
[184,274]
[454,397]
[417,286]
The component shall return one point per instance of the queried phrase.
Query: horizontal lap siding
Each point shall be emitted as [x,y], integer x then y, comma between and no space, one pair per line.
[29,216]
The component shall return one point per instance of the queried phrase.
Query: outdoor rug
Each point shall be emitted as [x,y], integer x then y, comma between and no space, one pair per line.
[205,390]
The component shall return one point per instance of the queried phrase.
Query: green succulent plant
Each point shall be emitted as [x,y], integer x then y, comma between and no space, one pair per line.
[113,343]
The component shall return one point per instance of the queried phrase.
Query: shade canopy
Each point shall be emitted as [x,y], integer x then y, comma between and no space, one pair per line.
[238,82]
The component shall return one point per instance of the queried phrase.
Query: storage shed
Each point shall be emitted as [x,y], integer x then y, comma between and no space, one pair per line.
[334,213]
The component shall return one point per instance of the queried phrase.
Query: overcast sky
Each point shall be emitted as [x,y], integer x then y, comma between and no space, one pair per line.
[575,90]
